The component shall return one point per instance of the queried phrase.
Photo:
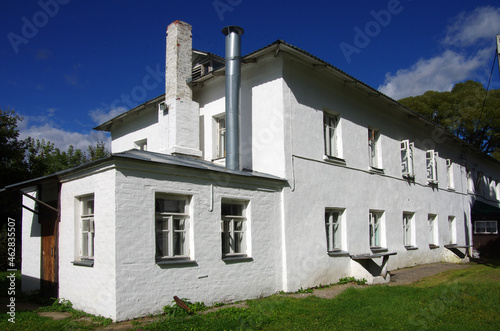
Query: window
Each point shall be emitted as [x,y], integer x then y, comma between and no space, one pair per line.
[374,148]
[142,145]
[221,137]
[333,225]
[87,228]
[233,228]
[330,123]
[452,228]
[431,163]
[376,229]
[171,226]
[485,227]
[449,171]
[407,158]
[408,230]
[433,230]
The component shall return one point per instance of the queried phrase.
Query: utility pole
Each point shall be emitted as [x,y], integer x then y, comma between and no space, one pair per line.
[498,51]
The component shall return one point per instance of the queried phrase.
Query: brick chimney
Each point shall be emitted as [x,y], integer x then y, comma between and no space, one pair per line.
[179,123]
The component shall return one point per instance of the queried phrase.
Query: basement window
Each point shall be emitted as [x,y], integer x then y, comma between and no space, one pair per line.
[485,227]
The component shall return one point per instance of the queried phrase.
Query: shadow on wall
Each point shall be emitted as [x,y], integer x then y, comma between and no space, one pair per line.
[491,249]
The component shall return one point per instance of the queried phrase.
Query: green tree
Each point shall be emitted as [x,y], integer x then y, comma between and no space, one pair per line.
[465,112]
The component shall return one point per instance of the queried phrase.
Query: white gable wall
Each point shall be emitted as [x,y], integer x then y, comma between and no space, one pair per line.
[145,287]
[91,289]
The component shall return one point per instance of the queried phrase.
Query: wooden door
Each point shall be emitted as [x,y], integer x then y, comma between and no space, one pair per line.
[49,267]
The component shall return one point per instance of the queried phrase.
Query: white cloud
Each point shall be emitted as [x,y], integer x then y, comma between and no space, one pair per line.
[42,127]
[457,63]
[100,115]
[439,73]
[467,29]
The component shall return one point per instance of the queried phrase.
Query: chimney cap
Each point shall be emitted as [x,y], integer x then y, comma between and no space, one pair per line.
[232,28]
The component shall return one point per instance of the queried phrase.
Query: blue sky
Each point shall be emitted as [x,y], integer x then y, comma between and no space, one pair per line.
[67,65]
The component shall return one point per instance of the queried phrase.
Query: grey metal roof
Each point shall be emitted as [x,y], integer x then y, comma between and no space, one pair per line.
[190,162]
[138,155]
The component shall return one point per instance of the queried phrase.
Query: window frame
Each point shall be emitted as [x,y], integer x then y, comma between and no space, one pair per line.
[229,231]
[221,137]
[486,227]
[452,230]
[433,230]
[374,149]
[450,175]
[431,166]
[407,157]
[409,233]
[170,235]
[335,241]
[87,252]
[331,138]
[376,229]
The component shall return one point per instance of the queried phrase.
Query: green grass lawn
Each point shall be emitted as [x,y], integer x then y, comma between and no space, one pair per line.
[465,299]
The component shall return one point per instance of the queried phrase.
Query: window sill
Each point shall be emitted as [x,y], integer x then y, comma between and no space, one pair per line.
[432,246]
[338,253]
[173,261]
[378,249]
[411,248]
[432,183]
[334,160]
[236,258]
[375,170]
[84,263]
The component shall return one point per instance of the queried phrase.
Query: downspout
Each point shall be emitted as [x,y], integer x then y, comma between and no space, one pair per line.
[233,82]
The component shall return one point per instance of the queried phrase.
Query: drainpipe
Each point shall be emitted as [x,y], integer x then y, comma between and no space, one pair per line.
[233,82]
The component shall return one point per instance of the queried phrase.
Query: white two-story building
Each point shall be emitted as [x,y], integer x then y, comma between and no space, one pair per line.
[333,179]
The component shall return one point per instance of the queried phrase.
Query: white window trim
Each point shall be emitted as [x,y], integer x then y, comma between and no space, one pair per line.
[452,226]
[90,233]
[335,231]
[407,149]
[450,175]
[220,143]
[374,149]
[433,228]
[376,226]
[229,250]
[409,235]
[332,138]
[486,227]
[431,166]
[170,232]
